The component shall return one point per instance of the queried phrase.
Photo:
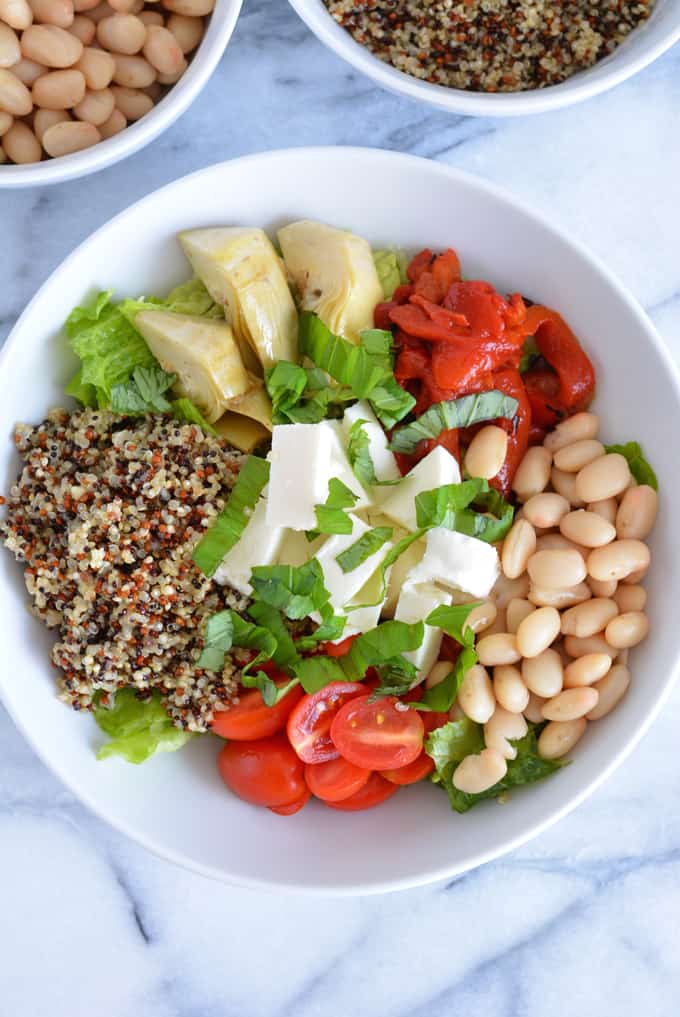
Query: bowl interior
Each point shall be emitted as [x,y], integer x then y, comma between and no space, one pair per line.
[201,65]
[639,48]
[176,804]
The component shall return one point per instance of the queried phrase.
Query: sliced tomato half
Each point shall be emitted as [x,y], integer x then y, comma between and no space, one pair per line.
[335,779]
[375,791]
[379,735]
[251,718]
[309,724]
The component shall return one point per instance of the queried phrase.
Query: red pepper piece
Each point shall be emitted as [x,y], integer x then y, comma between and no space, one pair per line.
[542,386]
[560,347]
[421,263]
[413,320]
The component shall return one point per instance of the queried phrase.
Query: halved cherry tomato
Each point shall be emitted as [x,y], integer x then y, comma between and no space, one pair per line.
[252,718]
[379,735]
[375,791]
[264,772]
[335,779]
[290,810]
[424,765]
[309,724]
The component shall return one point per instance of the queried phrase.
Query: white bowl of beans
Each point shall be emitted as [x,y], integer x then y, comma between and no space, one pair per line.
[176,804]
[83,83]
[473,58]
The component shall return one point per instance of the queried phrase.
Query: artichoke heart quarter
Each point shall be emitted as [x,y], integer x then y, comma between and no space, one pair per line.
[202,352]
[335,274]
[241,270]
[255,403]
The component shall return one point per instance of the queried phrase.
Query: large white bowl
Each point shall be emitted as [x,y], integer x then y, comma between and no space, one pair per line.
[643,45]
[176,805]
[137,135]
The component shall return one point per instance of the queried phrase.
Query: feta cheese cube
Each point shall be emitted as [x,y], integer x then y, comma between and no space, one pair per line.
[343,586]
[384,462]
[439,467]
[300,460]
[296,549]
[415,604]
[260,544]
[457,561]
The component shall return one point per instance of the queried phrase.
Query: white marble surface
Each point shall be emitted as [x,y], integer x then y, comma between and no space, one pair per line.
[581,921]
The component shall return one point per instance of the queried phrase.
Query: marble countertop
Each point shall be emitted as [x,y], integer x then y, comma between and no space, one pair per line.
[583,919]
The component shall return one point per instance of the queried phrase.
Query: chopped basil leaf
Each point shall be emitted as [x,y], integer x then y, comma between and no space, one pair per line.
[395,552]
[452,620]
[331,516]
[302,395]
[218,641]
[267,617]
[252,637]
[183,409]
[381,645]
[366,369]
[330,629]
[530,354]
[295,590]
[138,728]
[270,692]
[463,412]
[357,553]
[358,453]
[448,506]
[639,467]
[396,678]
[227,529]
[315,672]
[143,392]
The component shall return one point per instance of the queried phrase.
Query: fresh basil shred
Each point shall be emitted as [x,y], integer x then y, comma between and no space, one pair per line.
[331,517]
[359,455]
[449,506]
[452,620]
[367,545]
[453,413]
[227,529]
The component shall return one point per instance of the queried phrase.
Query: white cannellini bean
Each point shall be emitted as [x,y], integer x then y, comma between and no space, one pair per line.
[28,71]
[501,729]
[544,674]
[97,67]
[618,560]
[498,648]
[6,121]
[132,103]
[607,508]
[518,547]
[557,542]
[475,774]
[114,125]
[533,711]
[151,18]
[16,13]
[122,33]
[45,118]
[626,629]
[170,79]
[21,144]
[605,477]
[509,689]
[580,427]
[505,589]
[163,52]
[481,617]
[187,31]
[10,50]
[546,509]
[69,136]
[565,484]
[586,670]
[15,98]
[190,8]
[630,598]
[53,12]
[556,569]
[602,587]
[475,696]
[51,46]
[438,673]
[559,737]
[59,90]
[541,596]
[517,610]
[133,72]
[587,528]
[486,452]
[572,458]
[538,630]
[83,29]
[578,646]
[637,513]
[588,618]
[611,689]
[570,704]
[533,472]
[95,107]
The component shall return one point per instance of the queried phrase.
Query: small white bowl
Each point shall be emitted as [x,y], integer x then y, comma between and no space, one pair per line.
[643,45]
[176,804]
[137,135]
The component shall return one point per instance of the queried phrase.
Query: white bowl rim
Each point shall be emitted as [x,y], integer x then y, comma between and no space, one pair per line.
[137,135]
[503,847]
[480,104]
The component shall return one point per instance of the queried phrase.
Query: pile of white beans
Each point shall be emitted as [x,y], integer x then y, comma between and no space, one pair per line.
[554,637]
[74,72]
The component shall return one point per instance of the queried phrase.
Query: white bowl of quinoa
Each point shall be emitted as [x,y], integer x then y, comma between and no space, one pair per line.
[176,804]
[495,57]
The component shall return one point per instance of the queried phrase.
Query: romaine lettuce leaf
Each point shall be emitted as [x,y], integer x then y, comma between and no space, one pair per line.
[137,728]
[391,269]
[143,392]
[638,465]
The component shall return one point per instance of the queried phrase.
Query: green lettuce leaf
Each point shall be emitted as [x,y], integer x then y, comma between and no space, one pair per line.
[143,392]
[639,467]
[228,527]
[451,743]
[366,370]
[192,297]
[449,506]
[357,553]
[137,728]
[85,394]
[391,269]
[184,410]
[331,517]
[469,409]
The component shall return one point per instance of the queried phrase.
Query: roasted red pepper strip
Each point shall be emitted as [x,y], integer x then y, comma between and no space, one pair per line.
[421,263]
[542,386]
[560,347]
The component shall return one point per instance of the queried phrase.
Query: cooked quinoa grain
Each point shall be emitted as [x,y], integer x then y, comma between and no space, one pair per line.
[490,45]
[104,516]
